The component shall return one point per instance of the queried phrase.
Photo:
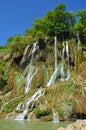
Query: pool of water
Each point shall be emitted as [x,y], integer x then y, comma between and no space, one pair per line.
[6,124]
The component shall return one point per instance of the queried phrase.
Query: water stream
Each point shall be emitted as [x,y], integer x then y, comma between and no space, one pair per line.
[55,116]
[35,97]
[78,40]
[62,67]
[25,53]
[35,49]
[54,75]
[31,74]
[55,44]
[68,68]
[53,78]
[24,106]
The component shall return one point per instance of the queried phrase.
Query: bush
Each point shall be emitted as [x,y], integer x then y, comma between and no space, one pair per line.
[38,112]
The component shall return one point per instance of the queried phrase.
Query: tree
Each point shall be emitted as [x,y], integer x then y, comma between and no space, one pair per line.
[60,7]
[10,39]
[80,26]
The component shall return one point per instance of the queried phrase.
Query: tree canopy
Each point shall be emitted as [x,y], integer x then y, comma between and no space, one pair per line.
[57,22]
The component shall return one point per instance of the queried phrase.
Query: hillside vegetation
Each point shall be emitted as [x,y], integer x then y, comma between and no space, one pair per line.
[32,57]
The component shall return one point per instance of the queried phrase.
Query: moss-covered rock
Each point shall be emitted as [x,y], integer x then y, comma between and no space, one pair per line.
[41,112]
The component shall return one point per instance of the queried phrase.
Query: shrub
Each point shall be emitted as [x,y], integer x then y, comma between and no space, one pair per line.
[38,112]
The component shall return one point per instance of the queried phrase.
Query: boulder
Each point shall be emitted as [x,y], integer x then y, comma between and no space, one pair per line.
[78,125]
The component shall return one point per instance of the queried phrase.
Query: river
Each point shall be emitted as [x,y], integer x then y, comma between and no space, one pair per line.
[6,124]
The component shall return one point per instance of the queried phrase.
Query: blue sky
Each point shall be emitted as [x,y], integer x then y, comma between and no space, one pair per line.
[17,15]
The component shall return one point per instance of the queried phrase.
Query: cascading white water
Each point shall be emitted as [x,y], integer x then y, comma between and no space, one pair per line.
[40,91]
[55,116]
[78,40]
[68,69]
[55,44]
[32,72]
[35,48]
[54,75]
[35,97]
[53,78]
[62,67]
[25,53]
[46,38]
[29,117]
[19,106]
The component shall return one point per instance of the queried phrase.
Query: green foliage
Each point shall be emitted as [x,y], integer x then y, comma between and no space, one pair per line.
[60,111]
[5,89]
[70,86]
[55,23]
[82,16]
[5,76]
[65,109]
[2,65]
[68,101]
[2,84]
[28,39]
[17,43]
[80,26]
[38,23]
[16,76]
[61,7]
[12,104]
[38,112]
[4,50]
[10,39]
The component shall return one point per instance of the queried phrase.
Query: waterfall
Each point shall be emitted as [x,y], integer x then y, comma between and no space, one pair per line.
[46,39]
[32,72]
[68,69]
[35,49]
[25,53]
[55,44]
[54,75]
[19,106]
[55,116]
[35,97]
[62,67]
[29,117]
[53,78]
[78,40]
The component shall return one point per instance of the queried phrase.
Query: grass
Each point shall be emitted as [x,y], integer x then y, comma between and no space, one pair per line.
[11,105]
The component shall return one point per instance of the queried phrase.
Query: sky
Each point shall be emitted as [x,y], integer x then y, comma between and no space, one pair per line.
[16,16]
